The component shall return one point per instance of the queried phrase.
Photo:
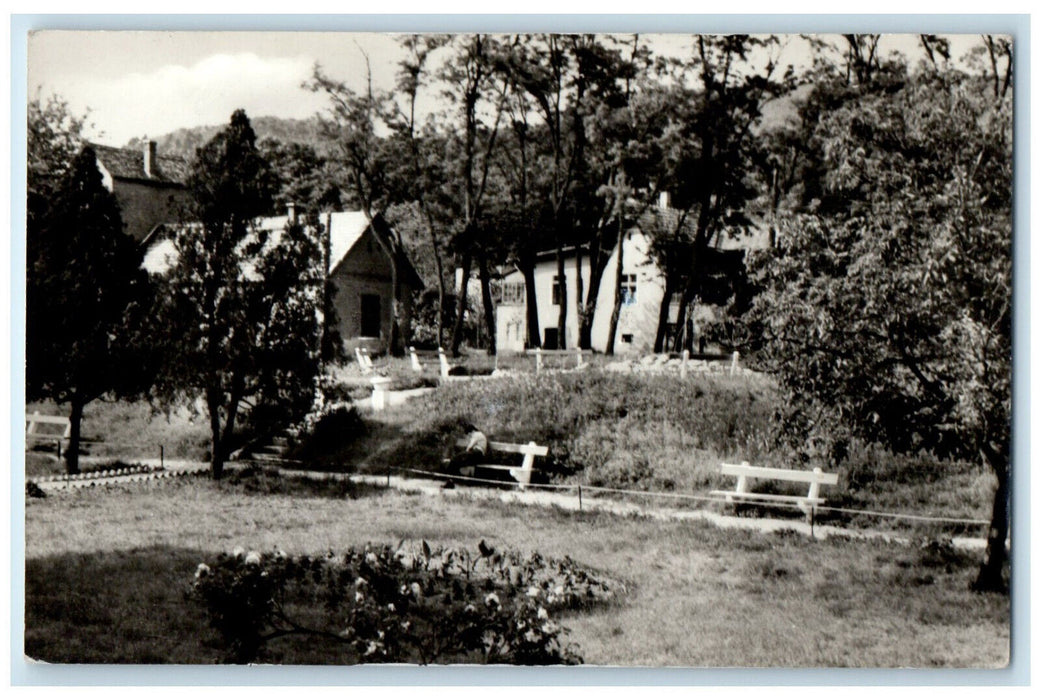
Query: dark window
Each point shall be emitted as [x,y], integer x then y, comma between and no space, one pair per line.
[628,289]
[556,289]
[512,293]
[370,315]
[549,338]
[627,337]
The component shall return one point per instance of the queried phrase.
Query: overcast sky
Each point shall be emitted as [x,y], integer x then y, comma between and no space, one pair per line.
[150,83]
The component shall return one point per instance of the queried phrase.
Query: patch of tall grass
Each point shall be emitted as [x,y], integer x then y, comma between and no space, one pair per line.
[663,433]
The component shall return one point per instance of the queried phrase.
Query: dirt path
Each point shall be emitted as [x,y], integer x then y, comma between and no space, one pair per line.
[569,501]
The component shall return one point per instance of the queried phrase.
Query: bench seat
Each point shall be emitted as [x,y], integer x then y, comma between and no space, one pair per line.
[744,472]
[747,496]
[521,474]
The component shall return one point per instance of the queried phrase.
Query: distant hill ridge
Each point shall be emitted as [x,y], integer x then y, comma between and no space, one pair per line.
[183,142]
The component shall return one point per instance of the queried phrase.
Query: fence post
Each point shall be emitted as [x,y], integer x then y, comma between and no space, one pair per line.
[580,498]
[733,363]
[538,360]
[59,449]
[683,364]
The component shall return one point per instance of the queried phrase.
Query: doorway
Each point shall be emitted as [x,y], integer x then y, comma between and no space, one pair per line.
[370,315]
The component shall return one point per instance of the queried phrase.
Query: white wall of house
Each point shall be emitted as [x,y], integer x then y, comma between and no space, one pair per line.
[637,321]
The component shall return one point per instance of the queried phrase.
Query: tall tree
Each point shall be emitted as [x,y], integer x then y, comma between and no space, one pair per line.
[242,317]
[306,179]
[353,123]
[478,110]
[893,313]
[85,299]
[421,179]
[54,136]
[719,148]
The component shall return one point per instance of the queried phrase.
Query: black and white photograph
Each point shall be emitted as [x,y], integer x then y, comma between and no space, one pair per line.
[441,349]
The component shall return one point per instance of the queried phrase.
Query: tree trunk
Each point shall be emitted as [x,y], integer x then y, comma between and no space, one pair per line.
[216,444]
[663,313]
[72,454]
[441,294]
[579,289]
[486,302]
[587,310]
[460,307]
[531,305]
[562,294]
[991,575]
[682,339]
[616,309]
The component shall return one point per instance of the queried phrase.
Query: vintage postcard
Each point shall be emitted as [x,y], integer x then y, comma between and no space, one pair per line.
[613,349]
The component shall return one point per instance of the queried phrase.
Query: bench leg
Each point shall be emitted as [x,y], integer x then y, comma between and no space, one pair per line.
[523,475]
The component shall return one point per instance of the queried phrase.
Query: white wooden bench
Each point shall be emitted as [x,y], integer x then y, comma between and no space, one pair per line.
[364,361]
[41,428]
[744,472]
[417,366]
[445,367]
[522,473]
[541,354]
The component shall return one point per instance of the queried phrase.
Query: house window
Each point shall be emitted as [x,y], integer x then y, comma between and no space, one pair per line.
[549,337]
[512,293]
[627,337]
[370,315]
[556,289]
[628,290]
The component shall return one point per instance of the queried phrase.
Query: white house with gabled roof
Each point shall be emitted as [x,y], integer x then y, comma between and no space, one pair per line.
[359,265]
[643,288]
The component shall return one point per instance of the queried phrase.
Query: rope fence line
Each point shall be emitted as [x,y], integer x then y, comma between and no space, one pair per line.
[579,488]
[695,497]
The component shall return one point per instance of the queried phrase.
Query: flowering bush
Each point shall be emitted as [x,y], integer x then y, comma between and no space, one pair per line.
[401,604]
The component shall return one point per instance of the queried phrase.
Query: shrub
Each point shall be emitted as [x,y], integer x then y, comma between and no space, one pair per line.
[397,604]
[324,437]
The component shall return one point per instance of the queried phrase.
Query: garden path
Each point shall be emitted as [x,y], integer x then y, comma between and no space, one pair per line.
[571,502]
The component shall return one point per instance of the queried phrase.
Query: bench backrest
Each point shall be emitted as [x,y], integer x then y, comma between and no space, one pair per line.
[364,361]
[443,359]
[529,449]
[540,353]
[749,471]
[33,423]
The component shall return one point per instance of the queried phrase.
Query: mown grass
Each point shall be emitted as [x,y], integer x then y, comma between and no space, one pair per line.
[107,571]
[135,429]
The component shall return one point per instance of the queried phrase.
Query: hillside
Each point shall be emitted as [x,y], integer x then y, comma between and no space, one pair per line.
[183,142]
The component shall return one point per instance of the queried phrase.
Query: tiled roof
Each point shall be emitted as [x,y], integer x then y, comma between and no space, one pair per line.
[129,163]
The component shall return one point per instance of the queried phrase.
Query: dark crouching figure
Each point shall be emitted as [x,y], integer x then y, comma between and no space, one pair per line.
[464,463]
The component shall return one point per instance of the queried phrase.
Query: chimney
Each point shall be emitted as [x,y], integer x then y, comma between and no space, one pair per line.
[150,159]
[664,201]
[291,212]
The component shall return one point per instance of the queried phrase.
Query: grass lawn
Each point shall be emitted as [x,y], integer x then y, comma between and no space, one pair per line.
[107,572]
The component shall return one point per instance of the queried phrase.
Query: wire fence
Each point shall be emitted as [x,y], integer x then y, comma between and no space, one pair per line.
[159,453]
[579,489]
